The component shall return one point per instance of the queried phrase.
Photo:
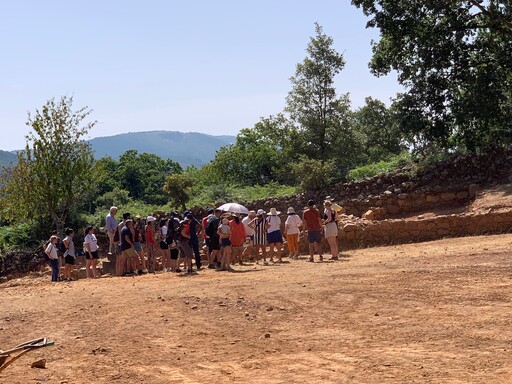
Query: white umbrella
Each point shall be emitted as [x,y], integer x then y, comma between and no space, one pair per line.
[233,208]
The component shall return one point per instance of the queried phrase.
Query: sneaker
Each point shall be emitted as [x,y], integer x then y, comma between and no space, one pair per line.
[145,271]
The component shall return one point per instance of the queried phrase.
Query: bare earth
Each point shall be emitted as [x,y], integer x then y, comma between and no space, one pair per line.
[436,312]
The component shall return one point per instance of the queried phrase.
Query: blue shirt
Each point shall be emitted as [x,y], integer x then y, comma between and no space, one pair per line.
[111,223]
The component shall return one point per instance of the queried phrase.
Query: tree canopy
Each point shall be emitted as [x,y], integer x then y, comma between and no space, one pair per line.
[453,58]
[54,173]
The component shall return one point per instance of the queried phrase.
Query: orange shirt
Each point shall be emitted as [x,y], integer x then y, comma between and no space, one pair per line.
[311,217]
[237,237]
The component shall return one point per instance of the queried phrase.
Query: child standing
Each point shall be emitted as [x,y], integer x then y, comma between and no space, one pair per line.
[69,255]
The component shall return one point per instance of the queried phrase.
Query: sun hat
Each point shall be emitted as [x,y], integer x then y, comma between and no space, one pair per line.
[327,202]
[261,212]
[252,213]
[113,208]
[138,216]
[291,211]
[150,219]
[274,212]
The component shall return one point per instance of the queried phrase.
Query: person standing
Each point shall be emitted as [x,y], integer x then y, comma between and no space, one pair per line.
[164,246]
[51,252]
[195,230]
[291,231]
[313,227]
[91,252]
[150,243]
[260,235]
[184,243]
[127,246]
[205,235]
[111,226]
[249,234]
[274,235]
[331,228]
[224,232]
[214,239]
[237,238]
[69,255]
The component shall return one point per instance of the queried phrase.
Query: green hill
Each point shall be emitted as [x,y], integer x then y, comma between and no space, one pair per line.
[185,148]
[7,158]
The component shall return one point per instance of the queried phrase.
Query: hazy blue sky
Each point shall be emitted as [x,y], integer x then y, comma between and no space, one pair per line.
[204,66]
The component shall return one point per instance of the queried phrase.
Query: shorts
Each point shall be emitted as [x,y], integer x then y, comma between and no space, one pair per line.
[274,237]
[175,254]
[214,243]
[94,255]
[225,242]
[138,246]
[331,229]
[70,260]
[130,252]
[314,236]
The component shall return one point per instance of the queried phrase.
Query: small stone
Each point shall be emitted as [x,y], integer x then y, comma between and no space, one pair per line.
[246,314]
[376,314]
[267,335]
[282,308]
[39,364]
[186,302]
[193,307]
[270,308]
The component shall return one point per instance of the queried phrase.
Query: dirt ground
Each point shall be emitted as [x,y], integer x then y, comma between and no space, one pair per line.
[436,312]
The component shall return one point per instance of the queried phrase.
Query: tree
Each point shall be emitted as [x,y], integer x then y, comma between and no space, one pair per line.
[54,173]
[453,58]
[379,130]
[320,116]
[178,186]
[143,175]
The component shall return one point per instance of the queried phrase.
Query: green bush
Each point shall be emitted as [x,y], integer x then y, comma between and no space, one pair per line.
[375,169]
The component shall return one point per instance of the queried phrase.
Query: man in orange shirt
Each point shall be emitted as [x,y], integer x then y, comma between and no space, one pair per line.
[313,227]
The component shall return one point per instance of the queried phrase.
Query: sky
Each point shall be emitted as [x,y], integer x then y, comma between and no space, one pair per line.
[193,66]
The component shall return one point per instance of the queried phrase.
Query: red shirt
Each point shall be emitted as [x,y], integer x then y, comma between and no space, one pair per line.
[149,235]
[311,218]
[237,237]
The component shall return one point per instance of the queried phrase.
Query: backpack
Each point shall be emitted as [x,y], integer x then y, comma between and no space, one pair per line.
[61,247]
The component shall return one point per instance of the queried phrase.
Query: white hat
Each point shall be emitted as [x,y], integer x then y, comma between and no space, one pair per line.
[261,212]
[291,211]
[274,212]
[150,219]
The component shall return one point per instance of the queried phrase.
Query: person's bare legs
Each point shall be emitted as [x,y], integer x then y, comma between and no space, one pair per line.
[333,245]
[226,259]
[279,252]
[94,262]
[271,252]
[165,259]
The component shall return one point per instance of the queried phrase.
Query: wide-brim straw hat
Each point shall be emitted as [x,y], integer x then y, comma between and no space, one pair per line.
[291,211]
[274,212]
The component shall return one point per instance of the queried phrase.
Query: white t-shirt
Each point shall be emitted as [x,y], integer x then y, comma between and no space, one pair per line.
[293,222]
[51,251]
[163,233]
[248,230]
[274,223]
[92,241]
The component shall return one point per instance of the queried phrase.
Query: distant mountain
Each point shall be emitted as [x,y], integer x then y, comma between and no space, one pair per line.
[185,148]
[7,158]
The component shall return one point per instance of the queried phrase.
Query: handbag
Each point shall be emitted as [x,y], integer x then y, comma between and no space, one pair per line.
[163,245]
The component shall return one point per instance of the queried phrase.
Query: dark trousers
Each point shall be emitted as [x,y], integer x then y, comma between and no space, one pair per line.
[54,263]
[194,243]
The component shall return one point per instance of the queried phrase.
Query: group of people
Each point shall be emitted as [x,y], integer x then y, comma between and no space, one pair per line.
[229,238]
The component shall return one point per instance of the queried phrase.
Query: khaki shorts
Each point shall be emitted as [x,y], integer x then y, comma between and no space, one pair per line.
[128,253]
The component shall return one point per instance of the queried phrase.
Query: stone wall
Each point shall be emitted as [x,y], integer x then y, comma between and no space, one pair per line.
[355,232]
[449,183]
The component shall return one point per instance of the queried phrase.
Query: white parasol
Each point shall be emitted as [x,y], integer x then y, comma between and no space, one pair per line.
[233,208]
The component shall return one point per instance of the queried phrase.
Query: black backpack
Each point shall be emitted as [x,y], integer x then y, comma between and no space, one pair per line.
[61,247]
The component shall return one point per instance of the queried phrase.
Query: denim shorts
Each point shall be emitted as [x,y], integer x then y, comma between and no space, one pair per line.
[314,236]
[138,246]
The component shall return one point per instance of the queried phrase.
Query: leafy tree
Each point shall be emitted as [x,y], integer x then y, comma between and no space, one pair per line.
[178,187]
[453,58]
[313,174]
[255,156]
[143,175]
[320,116]
[54,173]
[379,130]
